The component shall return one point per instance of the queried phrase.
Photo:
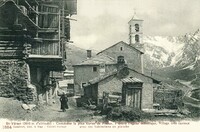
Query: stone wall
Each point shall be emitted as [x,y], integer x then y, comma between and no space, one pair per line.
[109,85]
[14,81]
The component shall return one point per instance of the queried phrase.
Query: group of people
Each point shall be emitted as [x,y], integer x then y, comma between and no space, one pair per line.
[64,102]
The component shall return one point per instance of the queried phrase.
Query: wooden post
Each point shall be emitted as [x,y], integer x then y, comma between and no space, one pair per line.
[46,93]
[63,17]
[45,84]
[29,74]
[36,18]
[59,34]
[63,27]
[50,90]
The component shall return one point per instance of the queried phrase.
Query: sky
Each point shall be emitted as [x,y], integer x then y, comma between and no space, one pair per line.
[102,23]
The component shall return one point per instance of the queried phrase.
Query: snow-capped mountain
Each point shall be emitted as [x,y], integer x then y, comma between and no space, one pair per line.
[176,57]
[162,51]
[190,52]
[181,52]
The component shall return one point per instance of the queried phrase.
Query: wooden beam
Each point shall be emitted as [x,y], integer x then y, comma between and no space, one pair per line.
[10,44]
[48,30]
[11,51]
[1,35]
[11,48]
[11,55]
[50,39]
[48,13]
[49,4]
[44,56]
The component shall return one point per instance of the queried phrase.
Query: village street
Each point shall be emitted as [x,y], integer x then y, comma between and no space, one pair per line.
[12,110]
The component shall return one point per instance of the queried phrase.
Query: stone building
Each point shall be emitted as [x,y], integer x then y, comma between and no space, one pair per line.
[91,68]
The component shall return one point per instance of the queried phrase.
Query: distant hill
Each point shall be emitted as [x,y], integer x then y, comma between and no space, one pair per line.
[75,55]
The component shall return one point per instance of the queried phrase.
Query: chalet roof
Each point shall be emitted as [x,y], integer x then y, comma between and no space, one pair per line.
[154,80]
[131,80]
[100,78]
[23,16]
[97,60]
[126,80]
[122,42]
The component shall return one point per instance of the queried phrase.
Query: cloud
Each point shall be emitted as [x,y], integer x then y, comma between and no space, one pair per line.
[105,21]
[86,41]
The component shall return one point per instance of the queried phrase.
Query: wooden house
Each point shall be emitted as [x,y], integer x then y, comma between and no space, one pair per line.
[132,92]
[34,32]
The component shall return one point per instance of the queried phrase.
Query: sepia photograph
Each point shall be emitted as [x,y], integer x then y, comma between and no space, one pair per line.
[93,64]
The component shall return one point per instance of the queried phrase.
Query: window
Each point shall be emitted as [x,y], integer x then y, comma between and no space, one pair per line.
[137,39]
[121,48]
[94,69]
[137,27]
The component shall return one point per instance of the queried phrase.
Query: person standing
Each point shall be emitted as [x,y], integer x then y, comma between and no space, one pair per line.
[66,99]
[64,102]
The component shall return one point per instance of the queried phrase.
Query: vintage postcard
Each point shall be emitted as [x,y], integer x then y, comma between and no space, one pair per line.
[99,65]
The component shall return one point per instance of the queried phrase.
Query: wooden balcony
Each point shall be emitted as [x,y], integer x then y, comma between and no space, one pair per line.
[46,53]
[49,47]
[50,62]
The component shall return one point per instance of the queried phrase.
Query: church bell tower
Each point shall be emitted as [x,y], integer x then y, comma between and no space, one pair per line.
[136,32]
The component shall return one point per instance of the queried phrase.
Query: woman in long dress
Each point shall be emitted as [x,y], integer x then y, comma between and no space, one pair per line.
[64,101]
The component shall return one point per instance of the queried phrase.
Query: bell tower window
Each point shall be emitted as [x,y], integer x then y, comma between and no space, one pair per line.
[137,38]
[137,27]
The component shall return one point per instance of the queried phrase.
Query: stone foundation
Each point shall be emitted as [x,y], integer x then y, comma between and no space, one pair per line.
[14,81]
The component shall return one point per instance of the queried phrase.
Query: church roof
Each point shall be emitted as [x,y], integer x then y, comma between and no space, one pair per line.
[135,18]
[121,42]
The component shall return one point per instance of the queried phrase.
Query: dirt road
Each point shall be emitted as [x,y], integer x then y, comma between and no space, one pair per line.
[11,109]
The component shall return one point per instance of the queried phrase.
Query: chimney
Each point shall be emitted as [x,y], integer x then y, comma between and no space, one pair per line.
[120,63]
[122,67]
[89,54]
